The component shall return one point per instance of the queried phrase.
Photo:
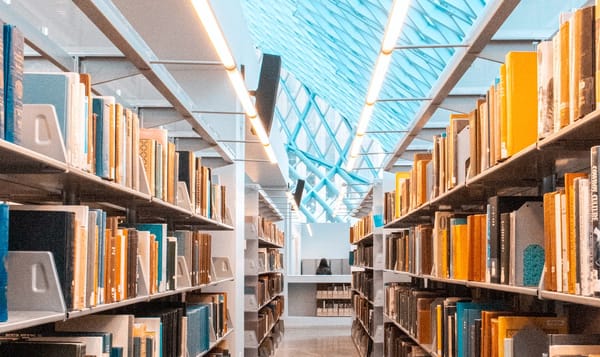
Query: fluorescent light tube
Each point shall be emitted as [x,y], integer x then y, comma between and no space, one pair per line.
[381,67]
[207,16]
[394,26]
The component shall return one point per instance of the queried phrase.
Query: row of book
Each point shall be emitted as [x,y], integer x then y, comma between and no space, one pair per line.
[99,259]
[398,344]
[461,326]
[362,281]
[266,319]
[269,259]
[269,286]
[364,312]
[410,250]
[362,256]
[361,229]
[536,94]
[333,291]
[333,308]
[101,136]
[273,340]
[361,339]
[143,330]
[269,231]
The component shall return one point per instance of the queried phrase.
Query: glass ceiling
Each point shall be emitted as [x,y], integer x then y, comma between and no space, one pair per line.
[328,50]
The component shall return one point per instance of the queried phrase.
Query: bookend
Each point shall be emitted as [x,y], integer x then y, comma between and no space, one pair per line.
[143,178]
[250,339]
[221,268]
[250,302]
[142,289]
[182,276]
[34,284]
[212,336]
[42,133]
[183,196]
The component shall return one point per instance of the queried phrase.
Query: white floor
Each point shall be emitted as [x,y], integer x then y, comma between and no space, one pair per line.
[318,341]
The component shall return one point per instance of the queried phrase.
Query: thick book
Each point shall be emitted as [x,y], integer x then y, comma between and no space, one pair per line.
[521,100]
[581,58]
[474,145]
[14,60]
[457,123]
[595,209]
[52,231]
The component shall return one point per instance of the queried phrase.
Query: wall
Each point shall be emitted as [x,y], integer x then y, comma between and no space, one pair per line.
[329,240]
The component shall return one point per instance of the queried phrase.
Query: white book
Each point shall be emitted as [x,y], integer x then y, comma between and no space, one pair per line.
[144,247]
[585,248]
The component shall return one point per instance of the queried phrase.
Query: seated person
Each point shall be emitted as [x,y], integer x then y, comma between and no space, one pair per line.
[323,268]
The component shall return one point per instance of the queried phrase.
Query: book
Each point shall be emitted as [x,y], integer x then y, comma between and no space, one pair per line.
[549,241]
[581,60]
[94,345]
[595,227]
[52,231]
[120,326]
[545,89]
[584,243]
[571,229]
[459,262]
[45,348]
[101,108]
[147,149]
[521,100]
[508,326]
[4,234]
[561,73]
[13,49]
[159,231]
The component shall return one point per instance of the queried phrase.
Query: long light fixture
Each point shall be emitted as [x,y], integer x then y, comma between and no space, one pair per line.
[208,19]
[393,28]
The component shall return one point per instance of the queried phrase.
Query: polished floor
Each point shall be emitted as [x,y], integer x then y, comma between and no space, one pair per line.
[317,342]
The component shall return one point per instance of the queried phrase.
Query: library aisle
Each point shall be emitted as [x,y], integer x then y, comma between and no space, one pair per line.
[317,341]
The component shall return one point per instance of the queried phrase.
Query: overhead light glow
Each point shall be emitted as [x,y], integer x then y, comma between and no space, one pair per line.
[239,86]
[381,67]
[394,26]
[207,16]
[270,153]
[363,121]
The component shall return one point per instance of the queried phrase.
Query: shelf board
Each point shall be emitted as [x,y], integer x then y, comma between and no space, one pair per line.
[277,271]
[17,159]
[333,298]
[317,279]
[427,348]
[264,243]
[575,299]
[524,290]
[443,280]
[368,238]
[580,135]
[266,303]
[363,267]
[214,344]
[363,296]
[18,320]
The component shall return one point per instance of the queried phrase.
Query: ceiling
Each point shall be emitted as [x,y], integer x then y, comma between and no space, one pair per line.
[328,51]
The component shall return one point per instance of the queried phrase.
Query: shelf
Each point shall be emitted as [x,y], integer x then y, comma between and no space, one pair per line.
[363,267]
[427,348]
[367,331]
[575,299]
[398,272]
[276,271]
[524,290]
[23,319]
[266,303]
[214,344]
[318,279]
[363,296]
[138,299]
[368,238]
[20,160]
[263,243]
[269,330]
[333,298]
[581,135]
[443,280]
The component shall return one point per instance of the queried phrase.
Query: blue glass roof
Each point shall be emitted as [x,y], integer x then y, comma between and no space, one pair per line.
[328,50]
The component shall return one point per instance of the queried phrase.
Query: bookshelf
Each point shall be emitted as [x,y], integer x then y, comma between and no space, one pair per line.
[264,297]
[121,46]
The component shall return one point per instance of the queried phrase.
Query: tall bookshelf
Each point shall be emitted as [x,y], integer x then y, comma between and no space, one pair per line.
[124,50]
[264,298]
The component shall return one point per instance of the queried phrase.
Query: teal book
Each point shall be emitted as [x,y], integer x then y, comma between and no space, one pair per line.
[466,313]
[160,233]
[49,88]
[13,46]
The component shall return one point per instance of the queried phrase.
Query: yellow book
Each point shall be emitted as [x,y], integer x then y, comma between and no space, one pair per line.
[147,149]
[400,176]
[421,162]
[563,71]
[521,100]
[440,243]
[460,249]
[571,201]
[439,333]
[508,326]
[549,241]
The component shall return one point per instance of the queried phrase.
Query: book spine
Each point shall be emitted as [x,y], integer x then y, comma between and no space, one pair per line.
[595,237]
[13,84]
[3,255]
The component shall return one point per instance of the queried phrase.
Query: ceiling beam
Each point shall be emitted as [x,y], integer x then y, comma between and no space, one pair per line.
[482,32]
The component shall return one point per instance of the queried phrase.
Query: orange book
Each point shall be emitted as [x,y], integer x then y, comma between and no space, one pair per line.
[571,201]
[460,250]
[160,136]
[118,277]
[521,100]
[397,209]
[508,326]
[564,65]
[440,241]
[421,179]
[86,80]
[472,232]
[439,333]
[549,241]
[486,330]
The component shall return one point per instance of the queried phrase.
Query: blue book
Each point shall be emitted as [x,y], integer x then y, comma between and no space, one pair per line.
[466,313]
[116,352]
[101,223]
[100,108]
[203,330]
[194,322]
[13,83]
[3,256]
[160,235]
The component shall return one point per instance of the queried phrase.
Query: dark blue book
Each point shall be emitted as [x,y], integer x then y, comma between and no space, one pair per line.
[3,255]
[52,231]
[116,352]
[13,83]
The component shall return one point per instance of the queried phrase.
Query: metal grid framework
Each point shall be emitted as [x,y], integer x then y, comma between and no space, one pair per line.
[330,47]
